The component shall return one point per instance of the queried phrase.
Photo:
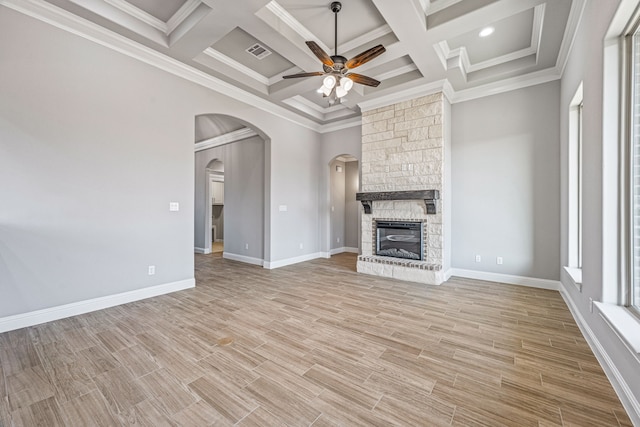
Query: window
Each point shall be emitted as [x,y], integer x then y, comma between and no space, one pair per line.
[633,291]
[574,167]
[620,305]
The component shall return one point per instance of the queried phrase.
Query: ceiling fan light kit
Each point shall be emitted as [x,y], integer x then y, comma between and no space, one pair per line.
[339,80]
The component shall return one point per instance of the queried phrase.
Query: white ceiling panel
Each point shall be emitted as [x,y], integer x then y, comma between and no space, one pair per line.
[511,35]
[235,45]
[357,17]
[162,9]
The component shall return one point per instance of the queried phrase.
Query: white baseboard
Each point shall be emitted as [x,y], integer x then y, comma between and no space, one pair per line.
[507,278]
[37,317]
[202,251]
[290,261]
[628,400]
[242,258]
[344,249]
[448,274]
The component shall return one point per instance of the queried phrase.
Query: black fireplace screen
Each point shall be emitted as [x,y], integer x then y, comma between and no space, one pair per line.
[399,239]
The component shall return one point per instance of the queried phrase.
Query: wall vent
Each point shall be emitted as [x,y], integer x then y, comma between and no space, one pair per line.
[259,51]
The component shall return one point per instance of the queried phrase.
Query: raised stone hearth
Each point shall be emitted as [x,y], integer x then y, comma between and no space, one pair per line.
[403,159]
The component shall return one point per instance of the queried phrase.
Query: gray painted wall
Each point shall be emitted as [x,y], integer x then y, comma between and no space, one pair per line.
[243,196]
[586,64]
[91,154]
[351,205]
[505,183]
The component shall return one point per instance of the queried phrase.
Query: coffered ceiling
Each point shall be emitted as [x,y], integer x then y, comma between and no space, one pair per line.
[430,44]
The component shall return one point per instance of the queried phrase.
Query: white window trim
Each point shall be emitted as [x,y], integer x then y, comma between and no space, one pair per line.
[574,168]
[576,276]
[623,323]
[616,203]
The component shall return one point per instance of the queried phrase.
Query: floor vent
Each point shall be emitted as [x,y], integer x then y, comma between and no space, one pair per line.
[259,51]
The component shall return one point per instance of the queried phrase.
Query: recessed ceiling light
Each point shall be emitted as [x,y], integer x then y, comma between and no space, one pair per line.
[487,31]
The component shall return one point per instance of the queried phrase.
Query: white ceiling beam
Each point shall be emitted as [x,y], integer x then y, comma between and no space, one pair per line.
[408,22]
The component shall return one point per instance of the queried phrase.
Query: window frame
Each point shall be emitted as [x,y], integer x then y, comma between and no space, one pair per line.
[575,186]
[631,66]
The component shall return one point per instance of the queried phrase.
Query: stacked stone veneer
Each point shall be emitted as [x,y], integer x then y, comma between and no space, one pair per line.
[403,149]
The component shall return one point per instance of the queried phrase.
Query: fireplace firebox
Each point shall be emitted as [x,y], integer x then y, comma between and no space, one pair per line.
[400,239]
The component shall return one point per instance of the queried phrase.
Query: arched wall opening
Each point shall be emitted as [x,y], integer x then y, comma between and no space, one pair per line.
[344,215]
[244,152]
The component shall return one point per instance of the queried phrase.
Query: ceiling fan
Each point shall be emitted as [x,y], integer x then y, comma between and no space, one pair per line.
[339,79]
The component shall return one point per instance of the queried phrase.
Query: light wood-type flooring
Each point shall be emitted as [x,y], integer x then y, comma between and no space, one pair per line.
[314,344]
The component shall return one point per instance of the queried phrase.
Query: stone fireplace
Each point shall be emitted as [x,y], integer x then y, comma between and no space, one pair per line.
[404,153]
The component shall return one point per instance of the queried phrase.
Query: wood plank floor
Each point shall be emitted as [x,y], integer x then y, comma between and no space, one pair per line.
[314,344]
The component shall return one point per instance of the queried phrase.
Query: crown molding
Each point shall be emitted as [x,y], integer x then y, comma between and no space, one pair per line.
[227,138]
[342,124]
[139,14]
[366,38]
[404,95]
[570,33]
[514,83]
[287,19]
[396,72]
[212,53]
[181,14]
[430,8]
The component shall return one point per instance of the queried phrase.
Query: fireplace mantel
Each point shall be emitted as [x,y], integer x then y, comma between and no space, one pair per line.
[430,198]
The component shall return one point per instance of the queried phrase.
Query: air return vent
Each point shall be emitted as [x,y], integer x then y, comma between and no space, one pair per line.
[259,51]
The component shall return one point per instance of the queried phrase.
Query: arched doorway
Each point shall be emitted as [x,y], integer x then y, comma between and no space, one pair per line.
[344,215]
[231,158]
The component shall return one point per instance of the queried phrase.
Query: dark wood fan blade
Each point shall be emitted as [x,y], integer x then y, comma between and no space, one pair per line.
[365,56]
[295,76]
[321,54]
[363,80]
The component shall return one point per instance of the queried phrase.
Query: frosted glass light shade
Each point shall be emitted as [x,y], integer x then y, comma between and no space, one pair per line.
[346,83]
[329,82]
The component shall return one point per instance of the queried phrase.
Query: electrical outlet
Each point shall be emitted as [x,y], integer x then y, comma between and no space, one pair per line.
[301,246]
[174,206]
[152,270]
[246,246]
[590,305]
[338,239]
[499,260]
[478,258]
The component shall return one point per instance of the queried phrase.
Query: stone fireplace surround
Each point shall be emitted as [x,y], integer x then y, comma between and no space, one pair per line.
[403,151]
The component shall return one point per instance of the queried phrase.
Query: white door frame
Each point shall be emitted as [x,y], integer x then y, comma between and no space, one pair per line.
[211,176]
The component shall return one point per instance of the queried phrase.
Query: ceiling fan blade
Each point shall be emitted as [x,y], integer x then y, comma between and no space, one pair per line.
[321,54]
[295,76]
[365,56]
[363,80]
